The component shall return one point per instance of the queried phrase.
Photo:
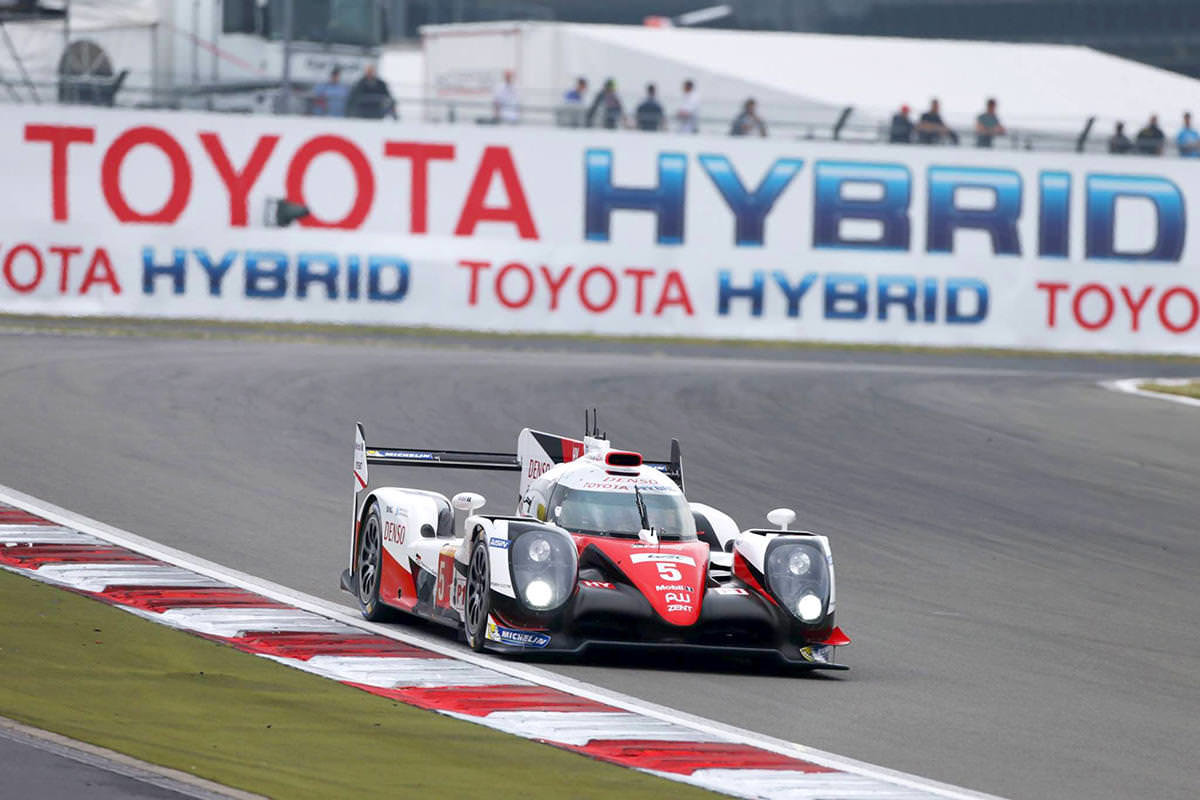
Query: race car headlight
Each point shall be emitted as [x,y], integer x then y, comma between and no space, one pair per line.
[798,577]
[543,565]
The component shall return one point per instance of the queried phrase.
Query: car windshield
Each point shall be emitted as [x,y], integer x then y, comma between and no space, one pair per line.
[609,513]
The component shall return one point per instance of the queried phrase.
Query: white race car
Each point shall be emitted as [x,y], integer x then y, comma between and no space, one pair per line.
[602,550]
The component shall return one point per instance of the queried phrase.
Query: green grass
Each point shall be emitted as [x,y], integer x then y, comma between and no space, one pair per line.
[1190,389]
[392,334]
[83,669]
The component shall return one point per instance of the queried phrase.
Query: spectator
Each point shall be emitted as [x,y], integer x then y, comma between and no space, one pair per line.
[329,98]
[748,122]
[369,98]
[687,118]
[901,131]
[649,115]
[1119,143]
[1150,139]
[1188,141]
[505,106]
[608,105]
[931,129]
[572,113]
[987,125]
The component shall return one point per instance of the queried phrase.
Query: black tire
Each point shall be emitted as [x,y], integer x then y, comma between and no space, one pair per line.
[478,602]
[368,567]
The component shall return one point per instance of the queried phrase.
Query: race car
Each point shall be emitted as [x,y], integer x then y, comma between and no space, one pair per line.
[603,550]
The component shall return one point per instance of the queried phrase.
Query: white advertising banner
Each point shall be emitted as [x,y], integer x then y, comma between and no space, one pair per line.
[583,231]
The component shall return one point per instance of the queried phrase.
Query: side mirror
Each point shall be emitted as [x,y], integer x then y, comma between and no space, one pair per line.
[783,517]
[465,504]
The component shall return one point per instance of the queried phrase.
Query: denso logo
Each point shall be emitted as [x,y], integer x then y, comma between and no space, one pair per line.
[393,532]
[536,468]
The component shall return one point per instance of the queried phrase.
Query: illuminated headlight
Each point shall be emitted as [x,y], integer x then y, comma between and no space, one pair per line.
[809,607]
[798,577]
[540,594]
[543,562]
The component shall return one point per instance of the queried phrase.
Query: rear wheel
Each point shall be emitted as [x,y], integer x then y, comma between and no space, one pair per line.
[368,568]
[479,596]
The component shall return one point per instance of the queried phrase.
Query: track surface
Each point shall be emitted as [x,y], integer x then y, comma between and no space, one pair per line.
[1017,549]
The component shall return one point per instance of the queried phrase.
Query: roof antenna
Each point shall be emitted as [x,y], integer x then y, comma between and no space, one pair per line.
[586,423]
[595,423]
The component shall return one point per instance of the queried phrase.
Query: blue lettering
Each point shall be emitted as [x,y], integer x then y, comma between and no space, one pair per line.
[306,275]
[266,267]
[1102,194]
[1054,216]
[665,201]
[216,272]
[999,221]
[830,207]
[726,291]
[954,315]
[375,275]
[886,295]
[842,289]
[750,209]
[151,270]
[794,294]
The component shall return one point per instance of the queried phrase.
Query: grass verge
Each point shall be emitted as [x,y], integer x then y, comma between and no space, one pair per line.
[94,673]
[1189,389]
[166,328]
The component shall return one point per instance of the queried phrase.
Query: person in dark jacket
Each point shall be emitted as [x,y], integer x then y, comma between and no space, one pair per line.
[649,115]
[608,106]
[1150,139]
[901,130]
[369,98]
[748,122]
[1119,143]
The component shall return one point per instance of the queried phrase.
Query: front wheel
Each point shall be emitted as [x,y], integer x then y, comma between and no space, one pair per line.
[479,596]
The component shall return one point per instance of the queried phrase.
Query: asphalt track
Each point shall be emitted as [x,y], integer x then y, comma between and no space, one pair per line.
[1017,549]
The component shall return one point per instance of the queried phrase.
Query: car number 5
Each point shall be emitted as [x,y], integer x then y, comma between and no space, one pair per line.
[668,573]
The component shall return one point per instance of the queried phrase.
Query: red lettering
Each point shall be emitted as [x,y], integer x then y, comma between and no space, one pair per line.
[420,155]
[496,161]
[238,184]
[64,254]
[1135,306]
[181,175]
[674,281]
[1077,306]
[38,268]
[639,276]
[100,271]
[364,180]
[556,285]
[1186,293]
[506,270]
[596,308]
[1052,290]
[475,267]
[60,137]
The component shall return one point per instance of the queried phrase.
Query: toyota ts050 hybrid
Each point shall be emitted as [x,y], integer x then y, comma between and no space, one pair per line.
[602,550]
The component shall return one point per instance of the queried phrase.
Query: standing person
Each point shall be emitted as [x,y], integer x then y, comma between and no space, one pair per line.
[1119,143]
[329,98]
[987,125]
[370,98]
[1150,139]
[1187,140]
[930,128]
[572,113]
[608,105]
[687,117]
[901,130]
[506,108]
[748,122]
[649,114]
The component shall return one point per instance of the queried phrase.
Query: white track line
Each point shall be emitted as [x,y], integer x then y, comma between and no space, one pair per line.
[521,672]
[1134,386]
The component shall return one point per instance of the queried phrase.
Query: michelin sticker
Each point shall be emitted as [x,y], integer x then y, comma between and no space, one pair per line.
[514,637]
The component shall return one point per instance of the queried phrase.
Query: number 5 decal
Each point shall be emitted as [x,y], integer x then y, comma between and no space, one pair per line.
[667,572]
